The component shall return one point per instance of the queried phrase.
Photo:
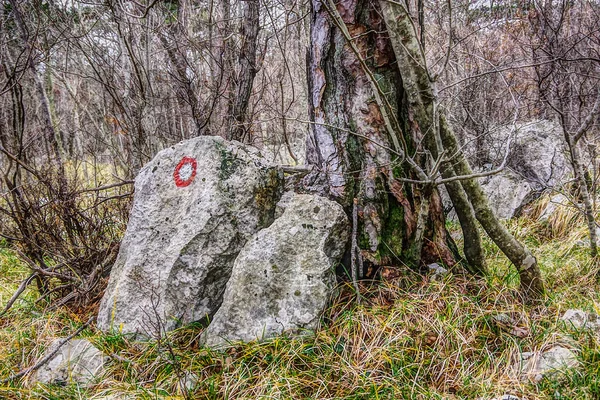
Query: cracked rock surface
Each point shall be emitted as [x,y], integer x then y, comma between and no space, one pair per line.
[195,206]
[283,278]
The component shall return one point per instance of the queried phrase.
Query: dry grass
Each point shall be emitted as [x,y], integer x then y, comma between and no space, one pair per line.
[411,338]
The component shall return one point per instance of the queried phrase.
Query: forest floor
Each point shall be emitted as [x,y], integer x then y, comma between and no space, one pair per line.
[412,337]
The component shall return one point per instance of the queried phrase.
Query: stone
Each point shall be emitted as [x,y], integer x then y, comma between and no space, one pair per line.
[284,277]
[195,206]
[506,397]
[536,365]
[579,319]
[556,202]
[537,161]
[187,382]
[77,361]
[437,270]
[507,193]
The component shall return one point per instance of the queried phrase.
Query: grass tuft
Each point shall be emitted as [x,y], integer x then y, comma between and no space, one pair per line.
[412,337]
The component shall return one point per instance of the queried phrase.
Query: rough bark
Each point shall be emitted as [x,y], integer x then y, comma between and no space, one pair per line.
[422,102]
[350,146]
[420,89]
[238,105]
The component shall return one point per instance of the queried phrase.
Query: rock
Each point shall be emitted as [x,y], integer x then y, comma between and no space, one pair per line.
[436,270]
[195,206]
[536,365]
[187,382]
[506,397]
[579,319]
[556,202]
[283,278]
[537,161]
[507,193]
[77,361]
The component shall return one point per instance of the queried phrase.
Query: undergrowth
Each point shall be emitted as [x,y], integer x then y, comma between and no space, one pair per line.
[413,337]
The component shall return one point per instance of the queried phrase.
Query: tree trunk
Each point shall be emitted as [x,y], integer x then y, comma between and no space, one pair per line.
[186,93]
[52,136]
[350,147]
[422,102]
[583,190]
[238,105]
[420,89]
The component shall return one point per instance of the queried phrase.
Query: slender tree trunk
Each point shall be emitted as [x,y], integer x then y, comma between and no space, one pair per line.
[532,285]
[238,105]
[420,89]
[52,136]
[350,147]
[422,102]
[585,194]
[186,93]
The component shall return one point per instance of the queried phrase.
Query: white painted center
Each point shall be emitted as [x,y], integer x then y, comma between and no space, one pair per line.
[185,172]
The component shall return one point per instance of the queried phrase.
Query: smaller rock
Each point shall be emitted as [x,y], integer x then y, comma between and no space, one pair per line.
[437,270]
[283,278]
[560,200]
[536,365]
[579,319]
[503,318]
[506,397]
[187,382]
[77,361]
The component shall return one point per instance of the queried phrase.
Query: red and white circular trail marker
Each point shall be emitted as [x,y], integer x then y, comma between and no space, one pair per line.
[185,171]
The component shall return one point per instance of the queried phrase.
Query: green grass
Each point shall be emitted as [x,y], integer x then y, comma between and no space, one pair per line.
[411,338]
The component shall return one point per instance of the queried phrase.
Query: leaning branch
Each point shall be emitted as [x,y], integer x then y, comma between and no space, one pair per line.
[18,293]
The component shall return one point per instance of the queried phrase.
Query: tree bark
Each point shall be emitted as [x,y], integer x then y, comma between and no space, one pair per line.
[583,190]
[350,146]
[420,88]
[238,105]
[423,104]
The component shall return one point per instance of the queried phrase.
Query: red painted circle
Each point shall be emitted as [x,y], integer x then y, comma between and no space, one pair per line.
[185,171]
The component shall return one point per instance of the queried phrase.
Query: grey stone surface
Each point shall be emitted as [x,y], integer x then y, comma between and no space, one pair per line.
[537,161]
[580,319]
[556,202]
[181,242]
[507,192]
[188,382]
[437,270]
[536,365]
[77,361]
[283,278]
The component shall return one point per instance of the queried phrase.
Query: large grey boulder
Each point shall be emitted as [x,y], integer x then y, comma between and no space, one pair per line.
[283,278]
[77,361]
[537,161]
[195,206]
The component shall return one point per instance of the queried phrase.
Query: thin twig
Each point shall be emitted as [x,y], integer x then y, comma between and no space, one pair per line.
[355,249]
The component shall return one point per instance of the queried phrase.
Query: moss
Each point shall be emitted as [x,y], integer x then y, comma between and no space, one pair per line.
[267,195]
[393,232]
[229,162]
